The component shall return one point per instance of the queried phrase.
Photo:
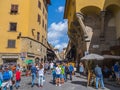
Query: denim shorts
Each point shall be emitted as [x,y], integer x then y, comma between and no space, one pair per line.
[61,76]
[58,75]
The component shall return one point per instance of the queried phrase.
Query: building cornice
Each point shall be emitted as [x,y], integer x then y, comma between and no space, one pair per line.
[66,9]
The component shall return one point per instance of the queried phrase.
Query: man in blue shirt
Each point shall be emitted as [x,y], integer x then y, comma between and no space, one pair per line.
[34,74]
[116,70]
[71,69]
[99,76]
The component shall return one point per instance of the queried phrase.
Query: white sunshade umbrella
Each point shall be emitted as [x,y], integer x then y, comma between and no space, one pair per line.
[92,57]
[111,57]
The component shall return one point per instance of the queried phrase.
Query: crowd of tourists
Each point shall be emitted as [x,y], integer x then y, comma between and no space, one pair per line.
[10,75]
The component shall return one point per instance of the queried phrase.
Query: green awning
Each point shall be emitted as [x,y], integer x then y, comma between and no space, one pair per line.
[28,61]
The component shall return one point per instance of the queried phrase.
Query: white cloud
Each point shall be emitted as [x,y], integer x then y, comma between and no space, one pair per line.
[61,46]
[61,26]
[55,42]
[60,9]
[57,34]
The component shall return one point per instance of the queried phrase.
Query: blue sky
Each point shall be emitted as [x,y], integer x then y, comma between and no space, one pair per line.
[57,26]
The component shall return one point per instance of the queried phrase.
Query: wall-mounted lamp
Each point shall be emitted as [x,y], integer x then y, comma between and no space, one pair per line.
[19,35]
[33,31]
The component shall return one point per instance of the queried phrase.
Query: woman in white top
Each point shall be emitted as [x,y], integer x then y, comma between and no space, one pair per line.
[40,75]
[58,74]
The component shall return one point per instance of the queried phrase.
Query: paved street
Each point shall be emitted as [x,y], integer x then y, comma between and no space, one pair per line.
[77,84]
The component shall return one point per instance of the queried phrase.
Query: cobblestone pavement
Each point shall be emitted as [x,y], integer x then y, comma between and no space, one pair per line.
[77,84]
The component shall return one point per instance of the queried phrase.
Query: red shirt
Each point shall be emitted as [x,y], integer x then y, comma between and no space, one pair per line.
[18,75]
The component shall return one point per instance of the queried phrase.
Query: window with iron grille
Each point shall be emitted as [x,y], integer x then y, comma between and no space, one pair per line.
[39,19]
[38,36]
[14,9]
[13,26]
[39,4]
[11,43]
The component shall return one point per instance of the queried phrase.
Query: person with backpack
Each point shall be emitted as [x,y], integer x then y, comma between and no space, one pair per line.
[34,74]
[18,78]
[71,69]
[6,80]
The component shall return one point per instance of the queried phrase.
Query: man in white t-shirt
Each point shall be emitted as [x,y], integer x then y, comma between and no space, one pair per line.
[51,65]
[58,74]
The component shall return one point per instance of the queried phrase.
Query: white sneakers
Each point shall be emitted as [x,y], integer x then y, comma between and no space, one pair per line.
[58,85]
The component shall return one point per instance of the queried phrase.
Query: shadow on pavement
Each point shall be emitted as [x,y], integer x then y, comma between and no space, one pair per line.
[81,77]
[83,83]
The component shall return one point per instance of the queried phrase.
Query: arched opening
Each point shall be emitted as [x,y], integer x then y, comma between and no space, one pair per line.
[90,10]
[113,18]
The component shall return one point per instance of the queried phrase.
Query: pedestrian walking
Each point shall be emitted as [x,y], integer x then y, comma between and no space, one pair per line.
[99,76]
[18,78]
[40,76]
[51,66]
[81,69]
[71,69]
[116,70]
[34,73]
[53,75]
[66,71]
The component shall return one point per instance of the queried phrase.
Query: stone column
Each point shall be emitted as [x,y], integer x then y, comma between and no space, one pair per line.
[102,24]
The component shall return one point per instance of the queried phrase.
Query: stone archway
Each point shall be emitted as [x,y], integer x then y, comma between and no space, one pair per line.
[113,11]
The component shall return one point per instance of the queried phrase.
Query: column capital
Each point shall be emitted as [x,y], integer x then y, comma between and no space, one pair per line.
[102,13]
[78,14]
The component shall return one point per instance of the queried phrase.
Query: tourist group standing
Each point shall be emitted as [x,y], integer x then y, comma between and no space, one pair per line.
[60,72]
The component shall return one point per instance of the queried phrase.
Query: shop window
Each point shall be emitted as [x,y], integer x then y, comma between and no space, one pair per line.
[11,43]
[38,36]
[14,9]
[13,26]
[39,4]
